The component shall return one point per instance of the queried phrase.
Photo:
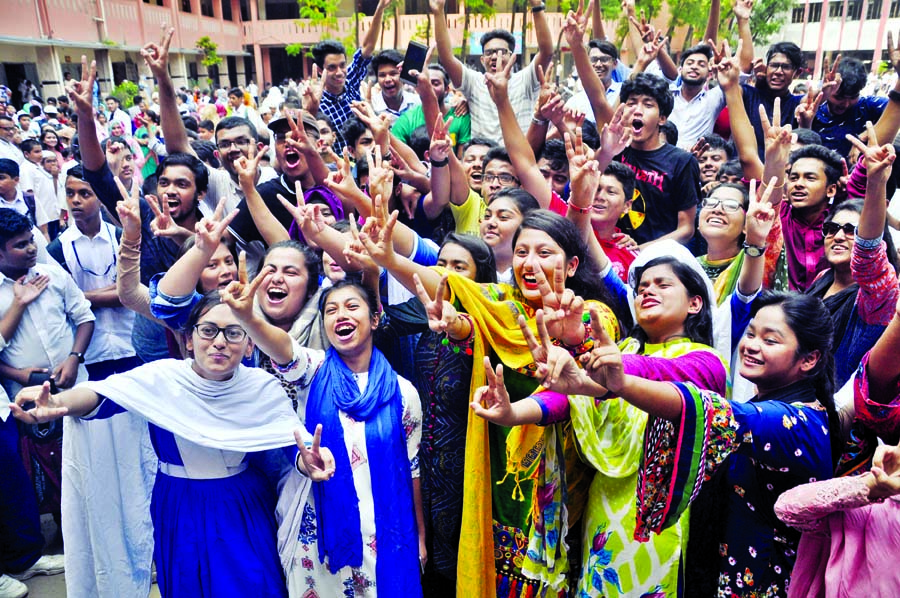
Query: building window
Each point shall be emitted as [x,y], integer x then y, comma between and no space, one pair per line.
[873,11]
[895,9]
[854,10]
[835,10]
[206,8]
[185,5]
[797,14]
[226,10]
[815,13]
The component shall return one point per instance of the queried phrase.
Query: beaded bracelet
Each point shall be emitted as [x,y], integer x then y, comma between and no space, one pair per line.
[464,345]
[587,344]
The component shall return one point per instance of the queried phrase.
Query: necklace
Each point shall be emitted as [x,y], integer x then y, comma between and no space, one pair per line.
[110,266]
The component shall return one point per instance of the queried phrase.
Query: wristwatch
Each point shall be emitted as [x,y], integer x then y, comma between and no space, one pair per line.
[79,355]
[754,250]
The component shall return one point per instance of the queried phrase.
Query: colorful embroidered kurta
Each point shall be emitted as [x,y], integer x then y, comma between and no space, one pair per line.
[780,443]
[497,518]
[610,437]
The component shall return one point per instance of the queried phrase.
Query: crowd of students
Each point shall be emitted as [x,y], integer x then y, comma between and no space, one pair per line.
[487,334]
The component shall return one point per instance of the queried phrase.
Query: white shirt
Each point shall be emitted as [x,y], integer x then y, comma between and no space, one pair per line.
[580,100]
[408,100]
[696,118]
[10,151]
[92,263]
[46,333]
[523,91]
[222,185]
[35,179]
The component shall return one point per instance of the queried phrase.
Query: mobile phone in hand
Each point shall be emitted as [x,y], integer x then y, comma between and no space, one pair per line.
[414,61]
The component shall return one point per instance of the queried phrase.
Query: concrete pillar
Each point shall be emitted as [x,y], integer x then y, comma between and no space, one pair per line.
[223,74]
[178,70]
[50,77]
[262,76]
[104,71]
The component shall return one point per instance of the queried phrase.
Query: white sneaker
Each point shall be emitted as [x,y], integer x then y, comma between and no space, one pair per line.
[12,588]
[49,564]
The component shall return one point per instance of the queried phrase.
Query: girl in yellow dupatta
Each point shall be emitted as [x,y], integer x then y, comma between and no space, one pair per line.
[552,272]
[673,310]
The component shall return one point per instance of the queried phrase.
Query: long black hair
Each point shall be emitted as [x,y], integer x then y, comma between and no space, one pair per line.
[587,282]
[810,321]
[698,327]
[856,206]
[311,259]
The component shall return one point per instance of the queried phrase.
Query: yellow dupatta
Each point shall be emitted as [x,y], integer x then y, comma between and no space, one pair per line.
[494,310]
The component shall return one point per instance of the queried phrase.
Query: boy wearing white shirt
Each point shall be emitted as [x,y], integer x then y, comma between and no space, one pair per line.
[119,446]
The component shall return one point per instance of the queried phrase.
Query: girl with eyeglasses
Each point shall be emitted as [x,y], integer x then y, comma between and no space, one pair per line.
[721,222]
[364,528]
[213,423]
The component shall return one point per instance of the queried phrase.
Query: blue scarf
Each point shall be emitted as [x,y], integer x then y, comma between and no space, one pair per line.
[337,506]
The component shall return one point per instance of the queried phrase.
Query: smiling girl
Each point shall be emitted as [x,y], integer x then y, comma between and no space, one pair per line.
[210,416]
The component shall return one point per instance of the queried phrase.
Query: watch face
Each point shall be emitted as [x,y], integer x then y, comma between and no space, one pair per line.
[753,251]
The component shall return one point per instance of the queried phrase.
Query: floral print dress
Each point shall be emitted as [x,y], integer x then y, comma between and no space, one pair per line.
[782,446]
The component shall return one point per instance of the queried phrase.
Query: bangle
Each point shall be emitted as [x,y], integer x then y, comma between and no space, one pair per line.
[539,121]
[464,345]
[538,8]
[579,209]
[439,163]
[894,96]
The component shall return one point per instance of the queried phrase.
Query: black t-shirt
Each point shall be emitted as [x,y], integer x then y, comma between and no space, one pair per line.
[668,182]
[760,94]
[244,229]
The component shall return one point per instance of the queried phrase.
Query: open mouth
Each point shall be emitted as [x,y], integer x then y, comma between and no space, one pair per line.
[529,281]
[638,126]
[291,158]
[173,202]
[716,221]
[344,331]
[276,296]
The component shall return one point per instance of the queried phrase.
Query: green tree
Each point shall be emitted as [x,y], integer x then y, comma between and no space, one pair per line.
[767,18]
[323,14]
[479,8]
[208,49]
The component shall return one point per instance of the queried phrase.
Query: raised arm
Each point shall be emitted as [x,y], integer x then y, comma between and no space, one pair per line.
[157,59]
[878,160]
[742,10]
[712,23]
[239,296]
[368,42]
[182,277]
[132,293]
[574,29]
[520,153]
[597,29]
[728,75]
[889,123]
[542,35]
[269,227]
[82,97]
[761,216]
[447,59]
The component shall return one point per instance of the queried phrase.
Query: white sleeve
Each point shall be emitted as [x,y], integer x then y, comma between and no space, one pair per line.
[412,423]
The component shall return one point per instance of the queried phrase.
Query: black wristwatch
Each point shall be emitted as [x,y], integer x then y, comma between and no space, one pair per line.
[754,250]
[79,355]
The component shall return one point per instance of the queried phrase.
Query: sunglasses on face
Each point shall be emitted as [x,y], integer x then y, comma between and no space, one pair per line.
[830,229]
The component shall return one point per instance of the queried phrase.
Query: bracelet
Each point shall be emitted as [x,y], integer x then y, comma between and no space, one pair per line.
[579,209]
[439,163]
[538,8]
[464,345]
[539,121]
[781,186]
[894,96]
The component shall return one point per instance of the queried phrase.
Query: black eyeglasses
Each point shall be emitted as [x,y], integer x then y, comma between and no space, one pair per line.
[505,179]
[232,334]
[830,229]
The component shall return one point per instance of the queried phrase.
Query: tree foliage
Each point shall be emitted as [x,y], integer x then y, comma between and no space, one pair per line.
[323,14]
[478,8]
[208,49]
